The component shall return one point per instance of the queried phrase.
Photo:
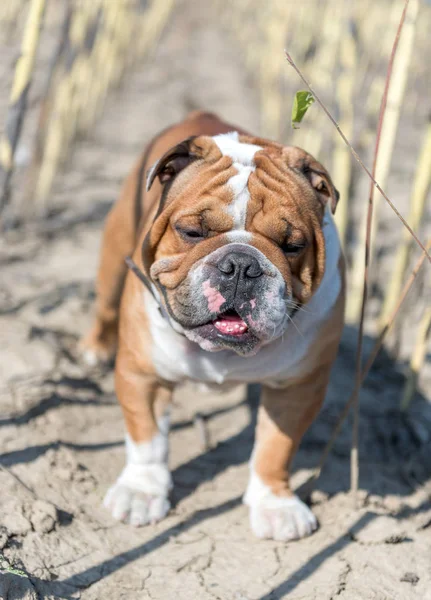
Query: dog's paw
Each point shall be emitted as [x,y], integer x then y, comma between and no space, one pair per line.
[134,507]
[140,495]
[281,518]
[98,347]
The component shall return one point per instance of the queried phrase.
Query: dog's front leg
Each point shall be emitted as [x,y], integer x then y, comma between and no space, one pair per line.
[284,416]
[140,494]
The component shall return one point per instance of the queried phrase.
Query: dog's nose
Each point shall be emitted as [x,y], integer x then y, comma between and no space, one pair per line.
[239,265]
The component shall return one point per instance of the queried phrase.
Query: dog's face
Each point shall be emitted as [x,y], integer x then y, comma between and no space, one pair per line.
[237,243]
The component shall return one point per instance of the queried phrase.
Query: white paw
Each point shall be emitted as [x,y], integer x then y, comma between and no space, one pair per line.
[140,494]
[281,518]
[90,358]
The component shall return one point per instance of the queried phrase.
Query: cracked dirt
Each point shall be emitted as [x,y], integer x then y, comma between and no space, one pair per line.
[61,431]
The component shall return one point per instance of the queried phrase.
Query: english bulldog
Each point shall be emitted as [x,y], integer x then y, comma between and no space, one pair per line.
[236,276]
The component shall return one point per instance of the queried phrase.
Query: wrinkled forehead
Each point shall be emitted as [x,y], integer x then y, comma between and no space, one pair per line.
[241,175]
[243,156]
[241,151]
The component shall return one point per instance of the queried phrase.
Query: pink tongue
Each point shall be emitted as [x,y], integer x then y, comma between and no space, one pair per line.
[231,325]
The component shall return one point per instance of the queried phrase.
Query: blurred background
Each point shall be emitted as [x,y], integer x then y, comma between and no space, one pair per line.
[84,85]
[82,61]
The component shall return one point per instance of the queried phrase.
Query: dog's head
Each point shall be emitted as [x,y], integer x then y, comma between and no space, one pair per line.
[237,241]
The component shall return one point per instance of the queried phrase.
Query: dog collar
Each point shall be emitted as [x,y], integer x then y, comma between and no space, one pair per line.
[151,288]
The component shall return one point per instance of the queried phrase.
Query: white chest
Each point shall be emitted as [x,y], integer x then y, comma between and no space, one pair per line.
[177,359]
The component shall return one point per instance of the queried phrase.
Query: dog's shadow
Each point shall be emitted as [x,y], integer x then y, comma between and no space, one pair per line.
[391,443]
[235,450]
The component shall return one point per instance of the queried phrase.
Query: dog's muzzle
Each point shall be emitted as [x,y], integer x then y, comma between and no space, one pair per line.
[234,298]
[238,275]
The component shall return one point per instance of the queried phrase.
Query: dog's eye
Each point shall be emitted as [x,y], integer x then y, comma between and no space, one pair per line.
[193,234]
[190,234]
[293,248]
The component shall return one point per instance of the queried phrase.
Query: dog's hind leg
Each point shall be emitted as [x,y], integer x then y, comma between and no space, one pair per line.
[118,242]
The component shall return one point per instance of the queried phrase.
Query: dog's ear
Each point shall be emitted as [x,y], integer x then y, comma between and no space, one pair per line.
[320,180]
[172,162]
[316,174]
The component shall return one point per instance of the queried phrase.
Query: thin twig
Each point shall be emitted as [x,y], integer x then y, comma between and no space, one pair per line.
[202,431]
[18,480]
[373,354]
[374,184]
[354,456]
[395,95]
[355,154]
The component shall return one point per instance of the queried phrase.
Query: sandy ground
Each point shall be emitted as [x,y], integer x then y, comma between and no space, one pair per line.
[61,431]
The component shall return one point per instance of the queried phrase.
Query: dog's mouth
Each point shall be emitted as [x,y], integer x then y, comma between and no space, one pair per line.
[228,328]
[230,323]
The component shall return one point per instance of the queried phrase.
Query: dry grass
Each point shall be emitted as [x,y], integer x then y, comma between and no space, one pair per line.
[343,52]
[90,55]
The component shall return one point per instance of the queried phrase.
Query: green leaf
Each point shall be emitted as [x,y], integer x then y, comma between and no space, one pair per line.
[301,103]
[5,566]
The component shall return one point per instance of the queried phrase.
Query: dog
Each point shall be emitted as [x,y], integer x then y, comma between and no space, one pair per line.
[236,276]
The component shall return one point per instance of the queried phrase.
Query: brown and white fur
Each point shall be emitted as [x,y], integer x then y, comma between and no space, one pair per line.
[236,234]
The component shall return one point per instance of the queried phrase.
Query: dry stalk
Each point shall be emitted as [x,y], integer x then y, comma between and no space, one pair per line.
[62,120]
[370,361]
[377,23]
[394,90]
[420,190]
[369,60]
[46,105]
[354,458]
[417,359]
[19,96]
[355,395]
[98,52]
[153,24]
[356,155]
[322,68]
[10,15]
[271,66]
[345,100]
